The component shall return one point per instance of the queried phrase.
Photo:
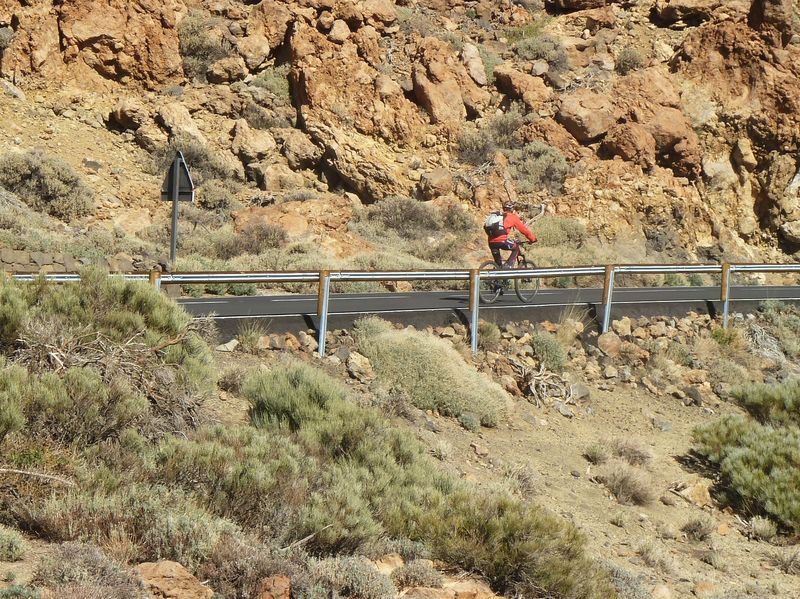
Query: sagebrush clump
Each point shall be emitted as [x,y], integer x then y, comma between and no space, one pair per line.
[46,184]
[434,375]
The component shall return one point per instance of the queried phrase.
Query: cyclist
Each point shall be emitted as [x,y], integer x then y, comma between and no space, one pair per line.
[498,235]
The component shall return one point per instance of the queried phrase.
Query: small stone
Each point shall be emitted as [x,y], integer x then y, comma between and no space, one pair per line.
[563,409]
[479,450]
[610,372]
[610,344]
[580,392]
[668,499]
[575,474]
[229,346]
[661,425]
[622,327]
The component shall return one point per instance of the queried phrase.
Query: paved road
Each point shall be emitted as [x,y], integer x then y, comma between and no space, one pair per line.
[291,313]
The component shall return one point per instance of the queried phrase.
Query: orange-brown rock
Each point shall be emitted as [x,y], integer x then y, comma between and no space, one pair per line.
[773,16]
[443,86]
[587,115]
[124,42]
[632,142]
[531,90]
[170,580]
[274,587]
[335,86]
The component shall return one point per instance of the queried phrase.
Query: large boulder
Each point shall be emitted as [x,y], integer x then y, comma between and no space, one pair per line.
[688,11]
[299,150]
[129,113]
[227,70]
[175,118]
[531,90]
[443,86]
[632,142]
[774,15]
[471,58]
[251,145]
[587,115]
[366,166]
[676,139]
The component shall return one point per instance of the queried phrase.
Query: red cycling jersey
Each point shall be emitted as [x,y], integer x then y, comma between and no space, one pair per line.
[512,221]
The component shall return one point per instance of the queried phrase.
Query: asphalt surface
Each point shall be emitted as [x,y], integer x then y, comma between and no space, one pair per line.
[292,313]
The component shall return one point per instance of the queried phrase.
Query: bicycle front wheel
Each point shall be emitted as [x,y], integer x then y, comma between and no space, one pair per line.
[526,288]
[490,289]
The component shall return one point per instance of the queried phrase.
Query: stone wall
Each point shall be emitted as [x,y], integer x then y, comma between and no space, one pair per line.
[23,262]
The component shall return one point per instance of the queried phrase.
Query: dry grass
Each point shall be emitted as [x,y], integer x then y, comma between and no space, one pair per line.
[787,560]
[631,451]
[629,485]
[699,529]
[655,556]
[762,529]
[597,454]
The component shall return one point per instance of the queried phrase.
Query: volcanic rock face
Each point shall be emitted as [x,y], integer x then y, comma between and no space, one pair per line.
[125,41]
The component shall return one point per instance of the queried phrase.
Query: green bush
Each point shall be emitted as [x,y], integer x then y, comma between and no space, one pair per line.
[549,351]
[543,47]
[13,312]
[73,567]
[538,166]
[490,62]
[126,356]
[275,79]
[201,44]
[469,421]
[409,218]
[771,404]
[46,184]
[759,464]
[629,485]
[434,375]
[6,37]
[16,591]
[501,133]
[519,548]
[12,545]
[783,322]
[557,232]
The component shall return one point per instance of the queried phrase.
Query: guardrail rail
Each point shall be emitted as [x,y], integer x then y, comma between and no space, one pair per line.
[324,278]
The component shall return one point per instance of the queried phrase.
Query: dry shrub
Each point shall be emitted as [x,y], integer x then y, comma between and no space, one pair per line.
[629,485]
[134,524]
[654,555]
[762,529]
[418,573]
[631,451]
[201,44]
[46,184]
[77,570]
[354,577]
[597,454]
[699,529]
[787,560]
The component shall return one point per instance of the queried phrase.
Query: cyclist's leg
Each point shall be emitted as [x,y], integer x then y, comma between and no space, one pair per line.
[514,253]
[498,258]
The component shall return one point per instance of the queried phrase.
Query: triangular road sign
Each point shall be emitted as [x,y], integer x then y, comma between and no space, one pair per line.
[185,185]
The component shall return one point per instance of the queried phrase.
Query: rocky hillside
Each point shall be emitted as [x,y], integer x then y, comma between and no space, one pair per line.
[664,130]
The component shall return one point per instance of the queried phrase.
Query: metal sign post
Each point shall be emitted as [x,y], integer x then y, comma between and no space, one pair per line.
[177,187]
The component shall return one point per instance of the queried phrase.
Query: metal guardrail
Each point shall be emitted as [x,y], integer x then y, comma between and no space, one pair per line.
[474,276]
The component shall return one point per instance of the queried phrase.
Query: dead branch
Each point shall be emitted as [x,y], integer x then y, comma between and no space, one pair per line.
[541,385]
[41,475]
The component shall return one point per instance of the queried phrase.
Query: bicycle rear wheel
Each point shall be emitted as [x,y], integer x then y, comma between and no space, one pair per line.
[490,289]
[526,288]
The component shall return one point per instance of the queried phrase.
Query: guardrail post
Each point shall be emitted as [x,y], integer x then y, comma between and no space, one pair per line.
[154,278]
[608,293]
[474,297]
[322,309]
[725,292]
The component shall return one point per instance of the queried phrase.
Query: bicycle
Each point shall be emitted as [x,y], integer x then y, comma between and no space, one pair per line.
[526,288]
